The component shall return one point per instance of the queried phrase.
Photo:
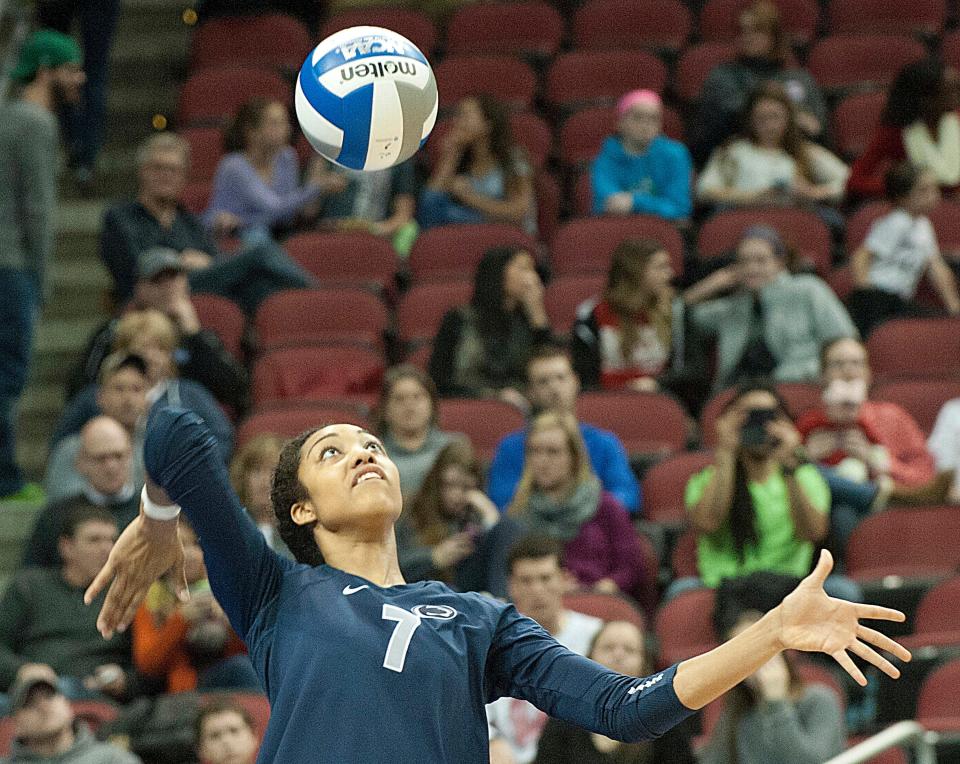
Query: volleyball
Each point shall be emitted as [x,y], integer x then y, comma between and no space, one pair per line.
[366,98]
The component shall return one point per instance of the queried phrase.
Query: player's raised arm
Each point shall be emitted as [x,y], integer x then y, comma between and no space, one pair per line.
[527,663]
[185,467]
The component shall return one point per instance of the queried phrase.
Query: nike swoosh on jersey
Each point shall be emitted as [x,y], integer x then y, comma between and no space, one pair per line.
[348,590]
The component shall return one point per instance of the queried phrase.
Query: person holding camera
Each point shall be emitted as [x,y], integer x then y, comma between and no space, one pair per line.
[761,506]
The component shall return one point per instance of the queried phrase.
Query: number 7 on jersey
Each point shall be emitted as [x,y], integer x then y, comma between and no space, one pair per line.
[407,623]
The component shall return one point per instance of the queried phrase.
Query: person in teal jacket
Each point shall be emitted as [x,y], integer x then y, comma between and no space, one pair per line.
[639,170]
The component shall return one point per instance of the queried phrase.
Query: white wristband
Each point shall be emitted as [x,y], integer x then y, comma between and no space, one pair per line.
[158,511]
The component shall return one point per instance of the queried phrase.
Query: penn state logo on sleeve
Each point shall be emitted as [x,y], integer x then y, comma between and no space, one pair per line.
[645,685]
[439,612]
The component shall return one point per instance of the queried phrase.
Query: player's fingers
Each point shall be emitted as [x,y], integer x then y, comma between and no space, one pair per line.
[101,580]
[131,610]
[879,613]
[113,605]
[824,566]
[884,642]
[872,656]
[847,664]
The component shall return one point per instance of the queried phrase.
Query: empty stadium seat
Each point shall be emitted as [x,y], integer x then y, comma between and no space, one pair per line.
[946,222]
[802,230]
[720,19]
[529,131]
[861,60]
[267,39]
[684,626]
[564,295]
[799,396]
[206,149]
[505,77]
[224,318]
[950,49]
[415,25]
[937,620]
[841,281]
[696,62]
[521,27]
[582,78]
[290,419]
[484,420]
[915,347]
[196,196]
[854,120]
[606,607]
[683,558]
[914,543]
[584,131]
[665,483]
[212,96]
[646,423]
[925,17]
[345,259]
[937,707]
[453,251]
[653,24]
[316,372]
[422,308]
[584,245]
[305,316]
[549,196]
[922,398]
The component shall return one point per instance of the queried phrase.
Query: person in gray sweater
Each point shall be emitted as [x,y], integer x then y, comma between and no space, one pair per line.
[774,716]
[46,729]
[49,76]
[774,323]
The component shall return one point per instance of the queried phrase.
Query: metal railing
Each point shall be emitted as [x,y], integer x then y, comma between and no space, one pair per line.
[918,737]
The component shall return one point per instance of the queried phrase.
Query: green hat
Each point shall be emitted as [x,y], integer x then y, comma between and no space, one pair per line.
[45,48]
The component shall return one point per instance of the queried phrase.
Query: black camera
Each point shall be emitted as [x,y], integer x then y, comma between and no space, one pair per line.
[754,429]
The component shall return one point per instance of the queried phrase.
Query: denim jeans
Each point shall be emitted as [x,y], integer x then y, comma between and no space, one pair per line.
[19,306]
[850,502]
[84,124]
[439,208]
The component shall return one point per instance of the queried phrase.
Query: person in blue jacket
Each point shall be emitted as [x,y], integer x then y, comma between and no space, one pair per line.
[360,666]
[639,170]
[552,384]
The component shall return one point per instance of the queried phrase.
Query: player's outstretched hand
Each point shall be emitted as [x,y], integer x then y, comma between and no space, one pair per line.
[812,621]
[144,551]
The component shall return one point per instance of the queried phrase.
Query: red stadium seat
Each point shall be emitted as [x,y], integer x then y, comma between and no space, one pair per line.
[268,40]
[646,423]
[94,712]
[595,77]
[841,281]
[800,229]
[484,420]
[799,396]
[861,60]
[696,62]
[606,607]
[529,132]
[684,626]
[922,398]
[306,316]
[415,25]
[683,559]
[925,17]
[422,309]
[585,245]
[507,78]
[584,131]
[290,419]
[915,347]
[720,19]
[316,372]
[549,198]
[937,707]
[664,485]
[453,251]
[814,673]
[195,197]
[854,120]
[224,318]
[518,27]
[915,543]
[7,734]
[206,148]
[345,259]
[420,357]
[211,96]
[653,24]
[564,294]
[950,49]
[937,620]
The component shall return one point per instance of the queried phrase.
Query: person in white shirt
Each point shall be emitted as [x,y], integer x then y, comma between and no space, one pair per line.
[536,582]
[899,249]
[944,444]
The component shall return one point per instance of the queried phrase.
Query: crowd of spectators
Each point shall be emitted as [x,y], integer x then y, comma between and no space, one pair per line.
[555,509]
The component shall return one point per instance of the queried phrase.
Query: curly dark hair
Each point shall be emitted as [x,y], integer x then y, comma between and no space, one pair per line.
[285,491]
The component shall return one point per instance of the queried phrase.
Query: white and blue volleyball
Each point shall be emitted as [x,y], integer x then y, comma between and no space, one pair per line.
[366,98]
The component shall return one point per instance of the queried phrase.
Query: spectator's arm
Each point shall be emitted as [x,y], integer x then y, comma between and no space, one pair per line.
[514,208]
[867,173]
[504,472]
[617,476]
[675,199]
[944,283]
[118,254]
[271,207]
[603,179]
[910,461]
[14,616]
[37,194]
[809,503]
[710,493]
[831,319]
[860,267]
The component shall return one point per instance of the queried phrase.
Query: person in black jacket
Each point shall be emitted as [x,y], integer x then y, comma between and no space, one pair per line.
[481,349]
[162,285]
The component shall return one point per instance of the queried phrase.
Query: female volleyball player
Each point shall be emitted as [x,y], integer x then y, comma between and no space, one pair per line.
[362,667]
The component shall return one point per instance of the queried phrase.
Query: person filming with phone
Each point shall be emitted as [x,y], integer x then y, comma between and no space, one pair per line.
[761,506]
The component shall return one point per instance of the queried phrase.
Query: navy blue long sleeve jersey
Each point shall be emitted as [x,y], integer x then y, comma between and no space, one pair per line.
[356,672]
